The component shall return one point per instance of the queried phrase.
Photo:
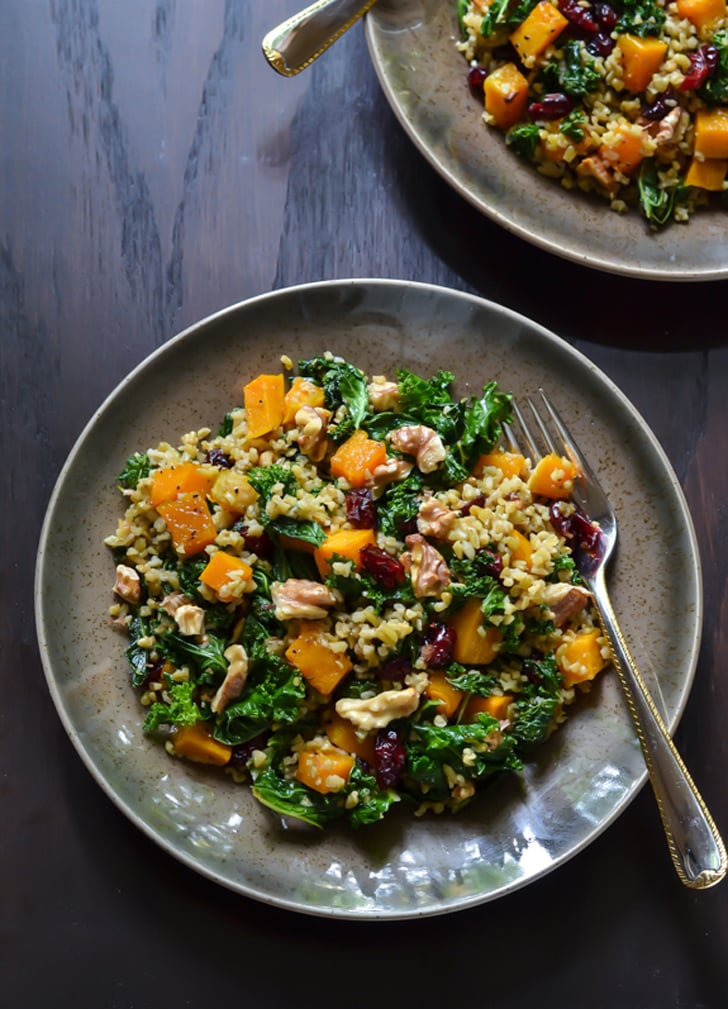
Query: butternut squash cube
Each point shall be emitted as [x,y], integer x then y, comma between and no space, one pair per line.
[441,690]
[222,568]
[342,733]
[711,132]
[311,654]
[263,401]
[580,658]
[324,770]
[506,95]
[702,13]
[356,459]
[346,543]
[534,35]
[189,523]
[474,644]
[303,392]
[707,173]
[509,463]
[233,492]
[641,59]
[186,478]
[495,705]
[553,477]
[196,743]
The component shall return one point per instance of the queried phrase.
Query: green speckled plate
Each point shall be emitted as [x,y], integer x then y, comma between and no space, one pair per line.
[412,45]
[523,827]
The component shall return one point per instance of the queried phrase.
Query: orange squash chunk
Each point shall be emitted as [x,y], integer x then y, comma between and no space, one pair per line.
[506,95]
[471,646]
[580,658]
[357,458]
[711,132]
[509,463]
[702,13]
[221,566]
[195,743]
[542,27]
[496,705]
[263,401]
[303,392]
[343,734]
[345,543]
[707,174]
[187,478]
[521,549]
[189,522]
[324,770]
[553,477]
[313,657]
[441,690]
[641,59]
[626,154]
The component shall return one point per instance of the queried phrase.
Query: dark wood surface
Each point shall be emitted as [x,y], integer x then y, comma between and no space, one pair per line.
[153,169]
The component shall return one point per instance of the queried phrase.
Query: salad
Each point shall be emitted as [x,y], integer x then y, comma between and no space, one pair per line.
[352,594]
[624,98]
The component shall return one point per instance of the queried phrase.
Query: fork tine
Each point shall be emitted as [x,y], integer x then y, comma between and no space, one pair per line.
[567,439]
[525,431]
[544,431]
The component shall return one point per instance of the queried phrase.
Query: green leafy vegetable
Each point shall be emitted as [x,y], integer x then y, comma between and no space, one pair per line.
[657,202]
[572,125]
[138,657]
[272,695]
[574,73]
[715,89]
[641,17]
[264,478]
[207,660]
[535,707]
[524,140]
[137,468]
[181,709]
[343,385]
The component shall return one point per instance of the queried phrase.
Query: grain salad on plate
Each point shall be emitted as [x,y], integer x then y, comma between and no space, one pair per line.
[353,594]
[625,98]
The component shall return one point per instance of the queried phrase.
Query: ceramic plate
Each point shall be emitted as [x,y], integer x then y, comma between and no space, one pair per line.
[524,826]
[412,45]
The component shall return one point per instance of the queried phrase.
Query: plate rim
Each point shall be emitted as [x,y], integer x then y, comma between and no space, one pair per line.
[358,914]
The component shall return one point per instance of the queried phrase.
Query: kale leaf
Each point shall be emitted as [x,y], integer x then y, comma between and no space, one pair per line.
[715,89]
[536,705]
[137,468]
[574,73]
[399,506]
[343,385]
[641,17]
[138,657]
[524,140]
[431,746]
[207,660]
[373,801]
[264,478]
[181,709]
[657,202]
[273,694]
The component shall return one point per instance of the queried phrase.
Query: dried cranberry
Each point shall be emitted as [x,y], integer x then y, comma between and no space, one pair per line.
[552,106]
[493,563]
[395,669]
[242,752]
[660,107]
[384,568]
[389,757]
[580,16]
[605,15]
[439,644]
[476,78]
[260,544]
[703,63]
[477,502]
[575,528]
[216,457]
[600,44]
[360,508]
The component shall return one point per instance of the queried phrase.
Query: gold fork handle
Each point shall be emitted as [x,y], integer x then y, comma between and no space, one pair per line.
[297,42]
[696,848]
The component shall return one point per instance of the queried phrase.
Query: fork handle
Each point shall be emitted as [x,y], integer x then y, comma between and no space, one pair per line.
[297,42]
[696,848]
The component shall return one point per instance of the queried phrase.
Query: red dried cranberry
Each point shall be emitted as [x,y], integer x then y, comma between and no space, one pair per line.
[605,15]
[663,104]
[389,757]
[242,752]
[384,568]
[216,457]
[552,106]
[360,508]
[575,528]
[493,563]
[477,502]
[600,44]
[439,644]
[580,16]
[703,63]
[395,669]
[476,78]
[260,544]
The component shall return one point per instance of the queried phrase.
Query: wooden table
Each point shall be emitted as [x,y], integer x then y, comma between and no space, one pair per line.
[152,170]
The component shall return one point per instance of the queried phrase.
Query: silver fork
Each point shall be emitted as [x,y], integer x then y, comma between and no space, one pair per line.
[696,848]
